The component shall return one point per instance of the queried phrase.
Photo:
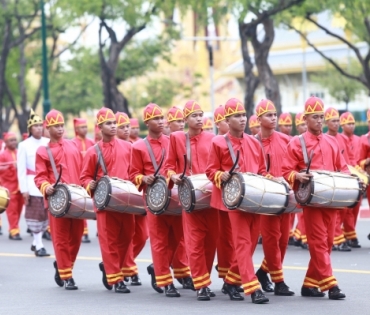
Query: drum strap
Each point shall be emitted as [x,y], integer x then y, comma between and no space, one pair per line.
[267,159]
[101,159]
[52,162]
[188,151]
[151,154]
[231,150]
[304,149]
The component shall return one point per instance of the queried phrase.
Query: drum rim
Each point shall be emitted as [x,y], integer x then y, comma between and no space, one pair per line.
[107,200]
[287,199]
[162,179]
[242,191]
[7,201]
[62,214]
[359,193]
[190,209]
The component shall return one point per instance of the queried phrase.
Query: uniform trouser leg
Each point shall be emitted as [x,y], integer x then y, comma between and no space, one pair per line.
[141,234]
[300,231]
[115,234]
[350,221]
[291,224]
[275,235]
[66,237]
[14,211]
[320,226]
[86,229]
[225,248]
[245,231]
[201,230]
[338,232]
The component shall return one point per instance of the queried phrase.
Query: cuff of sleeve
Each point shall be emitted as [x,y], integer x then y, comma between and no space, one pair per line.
[269,176]
[88,190]
[291,178]
[217,179]
[138,181]
[43,187]
[170,173]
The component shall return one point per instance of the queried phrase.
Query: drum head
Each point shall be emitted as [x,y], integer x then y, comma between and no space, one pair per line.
[102,193]
[304,193]
[157,196]
[59,202]
[187,195]
[233,191]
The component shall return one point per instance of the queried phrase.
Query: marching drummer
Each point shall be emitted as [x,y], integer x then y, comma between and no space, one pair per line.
[145,161]
[320,222]
[207,124]
[134,130]
[200,227]
[115,229]
[285,124]
[83,143]
[66,233]
[219,119]
[141,229]
[254,125]
[175,119]
[274,229]
[245,226]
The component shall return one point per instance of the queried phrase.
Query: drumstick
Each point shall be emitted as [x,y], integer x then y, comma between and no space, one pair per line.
[268,162]
[185,166]
[59,177]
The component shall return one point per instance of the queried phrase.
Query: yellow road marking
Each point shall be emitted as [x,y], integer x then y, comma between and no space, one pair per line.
[140,260]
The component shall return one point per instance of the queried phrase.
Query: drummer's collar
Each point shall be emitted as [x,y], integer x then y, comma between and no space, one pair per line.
[58,143]
[159,139]
[235,138]
[314,137]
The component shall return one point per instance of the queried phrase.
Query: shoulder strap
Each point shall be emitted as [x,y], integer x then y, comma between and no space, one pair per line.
[101,159]
[188,151]
[151,154]
[266,157]
[231,149]
[52,162]
[304,149]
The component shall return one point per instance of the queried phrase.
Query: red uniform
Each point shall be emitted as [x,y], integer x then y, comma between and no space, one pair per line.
[163,227]
[363,154]
[320,222]
[275,229]
[200,227]
[245,226]
[9,179]
[115,229]
[66,233]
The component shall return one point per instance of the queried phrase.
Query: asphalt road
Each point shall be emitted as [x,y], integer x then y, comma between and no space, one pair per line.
[27,285]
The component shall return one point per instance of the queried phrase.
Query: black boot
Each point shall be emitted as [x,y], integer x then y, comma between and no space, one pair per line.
[15,237]
[258,297]
[85,239]
[336,294]
[282,289]
[291,241]
[202,295]
[70,284]
[104,278]
[135,280]
[150,270]
[311,292]
[232,291]
[171,291]
[266,284]
[354,243]
[41,253]
[120,287]
[1,230]
[210,292]
[343,247]
[187,283]
[46,236]
[57,278]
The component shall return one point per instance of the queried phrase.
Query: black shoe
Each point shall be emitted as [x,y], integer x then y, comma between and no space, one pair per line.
[29,231]
[304,246]
[202,295]
[232,291]
[15,237]
[298,243]
[342,247]
[57,278]
[187,283]
[216,267]
[1,231]
[41,253]
[282,289]
[259,240]
[126,279]
[210,292]
[104,279]
[336,294]
[311,292]
[258,297]
[266,284]
[354,243]
[135,280]
[150,270]
[291,241]
[171,291]
[120,287]
[70,284]
[85,239]
[33,248]
[46,236]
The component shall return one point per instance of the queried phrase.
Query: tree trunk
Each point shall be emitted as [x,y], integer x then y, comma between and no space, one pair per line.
[22,116]
[250,80]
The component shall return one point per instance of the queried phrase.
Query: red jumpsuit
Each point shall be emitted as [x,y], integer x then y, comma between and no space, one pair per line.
[66,233]
[245,226]
[363,154]
[200,227]
[9,179]
[275,229]
[115,229]
[163,229]
[83,144]
[320,222]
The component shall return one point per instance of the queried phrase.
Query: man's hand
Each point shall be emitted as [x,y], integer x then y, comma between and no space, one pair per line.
[149,179]
[303,177]
[176,179]
[26,197]
[92,184]
[49,190]
[225,176]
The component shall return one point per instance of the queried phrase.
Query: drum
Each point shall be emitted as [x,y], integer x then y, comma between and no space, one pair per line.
[255,194]
[71,201]
[119,195]
[4,199]
[361,174]
[293,206]
[160,200]
[195,193]
[329,190]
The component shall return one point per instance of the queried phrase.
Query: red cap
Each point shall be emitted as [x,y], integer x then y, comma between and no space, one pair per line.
[331,113]
[314,105]
[151,111]
[285,119]
[105,114]
[253,121]
[234,106]
[134,123]
[54,117]
[219,114]
[9,135]
[347,118]
[77,122]
[265,106]
[299,119]
[207,123]
[122,119]
[174,113]
[191,107]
